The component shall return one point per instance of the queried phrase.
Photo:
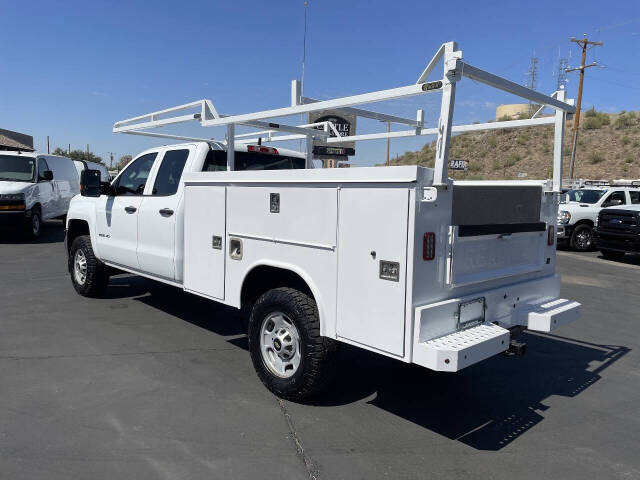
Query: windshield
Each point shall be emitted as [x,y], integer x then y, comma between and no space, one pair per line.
[585,196]
[17,168]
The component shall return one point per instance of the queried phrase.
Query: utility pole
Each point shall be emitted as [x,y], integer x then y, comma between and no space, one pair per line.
[69,149]
[584,43]
[48,144]
[87,152]
[110,160]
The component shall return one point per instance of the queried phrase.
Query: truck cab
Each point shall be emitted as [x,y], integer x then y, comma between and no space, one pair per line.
[139,216]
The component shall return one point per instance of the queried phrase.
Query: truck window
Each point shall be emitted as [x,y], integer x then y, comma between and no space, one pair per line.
[619,195]
[169,173]
[635,196]
[42,167]
[217,161]
[134,178]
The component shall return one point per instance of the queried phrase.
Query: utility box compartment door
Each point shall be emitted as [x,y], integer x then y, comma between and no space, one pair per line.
[372,261]
[205,239]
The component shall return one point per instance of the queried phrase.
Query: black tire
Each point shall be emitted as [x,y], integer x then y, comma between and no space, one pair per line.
[612,254]
[582,238]
[317,354]
[33,226]
[96,273]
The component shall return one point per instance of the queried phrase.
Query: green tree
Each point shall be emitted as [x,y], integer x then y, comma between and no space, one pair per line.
[79,155]
[123,162]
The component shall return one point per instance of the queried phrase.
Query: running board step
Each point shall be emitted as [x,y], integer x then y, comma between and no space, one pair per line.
[549,316]
[458,350]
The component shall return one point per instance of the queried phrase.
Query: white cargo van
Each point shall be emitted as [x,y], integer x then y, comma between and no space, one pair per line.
[82,165]
[35,188]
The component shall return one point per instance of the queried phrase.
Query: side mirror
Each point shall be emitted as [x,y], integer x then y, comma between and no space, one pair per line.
[90,183]
[47,175]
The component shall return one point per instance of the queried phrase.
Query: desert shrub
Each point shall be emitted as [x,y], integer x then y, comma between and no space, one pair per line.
[625,140]
[512,159]
[594,120]
[625,120]
[596,157]
[504,118]
[628,159]
[492,141]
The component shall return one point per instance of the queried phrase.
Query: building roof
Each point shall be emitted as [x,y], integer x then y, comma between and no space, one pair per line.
[10,140]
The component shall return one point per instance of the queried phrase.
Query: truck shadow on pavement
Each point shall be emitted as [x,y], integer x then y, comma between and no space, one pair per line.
[52,232]
[486,406]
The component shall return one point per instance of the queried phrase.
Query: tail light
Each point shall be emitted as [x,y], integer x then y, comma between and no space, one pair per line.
[261,149]
[429,246]
[551,234]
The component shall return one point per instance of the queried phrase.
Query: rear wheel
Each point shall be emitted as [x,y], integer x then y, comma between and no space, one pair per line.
[582,238]
[287,351]
[88,274]
[612,254]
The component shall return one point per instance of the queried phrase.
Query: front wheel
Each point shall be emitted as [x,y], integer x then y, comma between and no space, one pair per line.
[612,254]
[88,274]
[582,238]
[288,353]
[33,226]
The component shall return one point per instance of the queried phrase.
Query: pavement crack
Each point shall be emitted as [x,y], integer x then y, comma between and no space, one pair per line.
[312,468]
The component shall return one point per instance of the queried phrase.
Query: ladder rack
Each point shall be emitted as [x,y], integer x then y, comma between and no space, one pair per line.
[269,131]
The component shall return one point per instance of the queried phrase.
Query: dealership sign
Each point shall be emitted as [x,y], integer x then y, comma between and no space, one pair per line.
[345,125]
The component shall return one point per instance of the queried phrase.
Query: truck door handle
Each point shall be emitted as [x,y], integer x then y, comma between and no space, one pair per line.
[166,212]
[130,209]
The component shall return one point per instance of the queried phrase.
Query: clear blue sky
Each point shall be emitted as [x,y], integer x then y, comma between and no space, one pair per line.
[71,69]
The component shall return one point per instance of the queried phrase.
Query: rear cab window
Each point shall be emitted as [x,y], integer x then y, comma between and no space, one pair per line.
[170,171]
[635,196]
[216,161]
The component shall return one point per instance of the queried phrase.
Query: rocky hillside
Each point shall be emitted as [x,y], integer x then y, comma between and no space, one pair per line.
[608,148]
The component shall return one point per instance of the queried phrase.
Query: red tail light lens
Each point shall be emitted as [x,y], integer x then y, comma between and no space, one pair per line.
[429,246]
[551,234]
[261,149]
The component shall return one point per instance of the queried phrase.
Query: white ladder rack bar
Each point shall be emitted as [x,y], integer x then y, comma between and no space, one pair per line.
[382,117]
[500,83]
[412,133]
[372,97]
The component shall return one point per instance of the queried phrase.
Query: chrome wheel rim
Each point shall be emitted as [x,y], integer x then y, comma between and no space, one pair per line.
[584,239]
[80,267]
[280,345]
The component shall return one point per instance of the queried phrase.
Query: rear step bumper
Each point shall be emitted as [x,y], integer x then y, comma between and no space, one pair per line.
[440,347]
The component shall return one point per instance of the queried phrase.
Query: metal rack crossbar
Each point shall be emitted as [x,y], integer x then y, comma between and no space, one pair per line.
[454,70]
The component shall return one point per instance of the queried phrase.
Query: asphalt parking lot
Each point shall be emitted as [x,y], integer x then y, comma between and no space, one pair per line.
[151,383]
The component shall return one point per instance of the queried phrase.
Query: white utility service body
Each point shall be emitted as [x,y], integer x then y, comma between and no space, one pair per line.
[400,260]
[336,228]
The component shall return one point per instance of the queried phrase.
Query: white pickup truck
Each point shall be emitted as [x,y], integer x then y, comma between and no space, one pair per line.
[401,261]
[578,215]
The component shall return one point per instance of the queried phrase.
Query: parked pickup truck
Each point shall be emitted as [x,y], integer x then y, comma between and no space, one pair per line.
[618,231]
[401,261]
[577,217]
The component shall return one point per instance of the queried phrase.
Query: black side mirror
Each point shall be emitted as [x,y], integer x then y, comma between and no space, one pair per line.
[47,175]
[90,183]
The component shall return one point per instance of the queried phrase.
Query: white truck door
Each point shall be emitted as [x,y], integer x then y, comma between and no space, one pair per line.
[158,213]
[372,260]
[117,216]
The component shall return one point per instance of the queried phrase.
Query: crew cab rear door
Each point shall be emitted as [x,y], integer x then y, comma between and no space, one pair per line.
[159,211]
